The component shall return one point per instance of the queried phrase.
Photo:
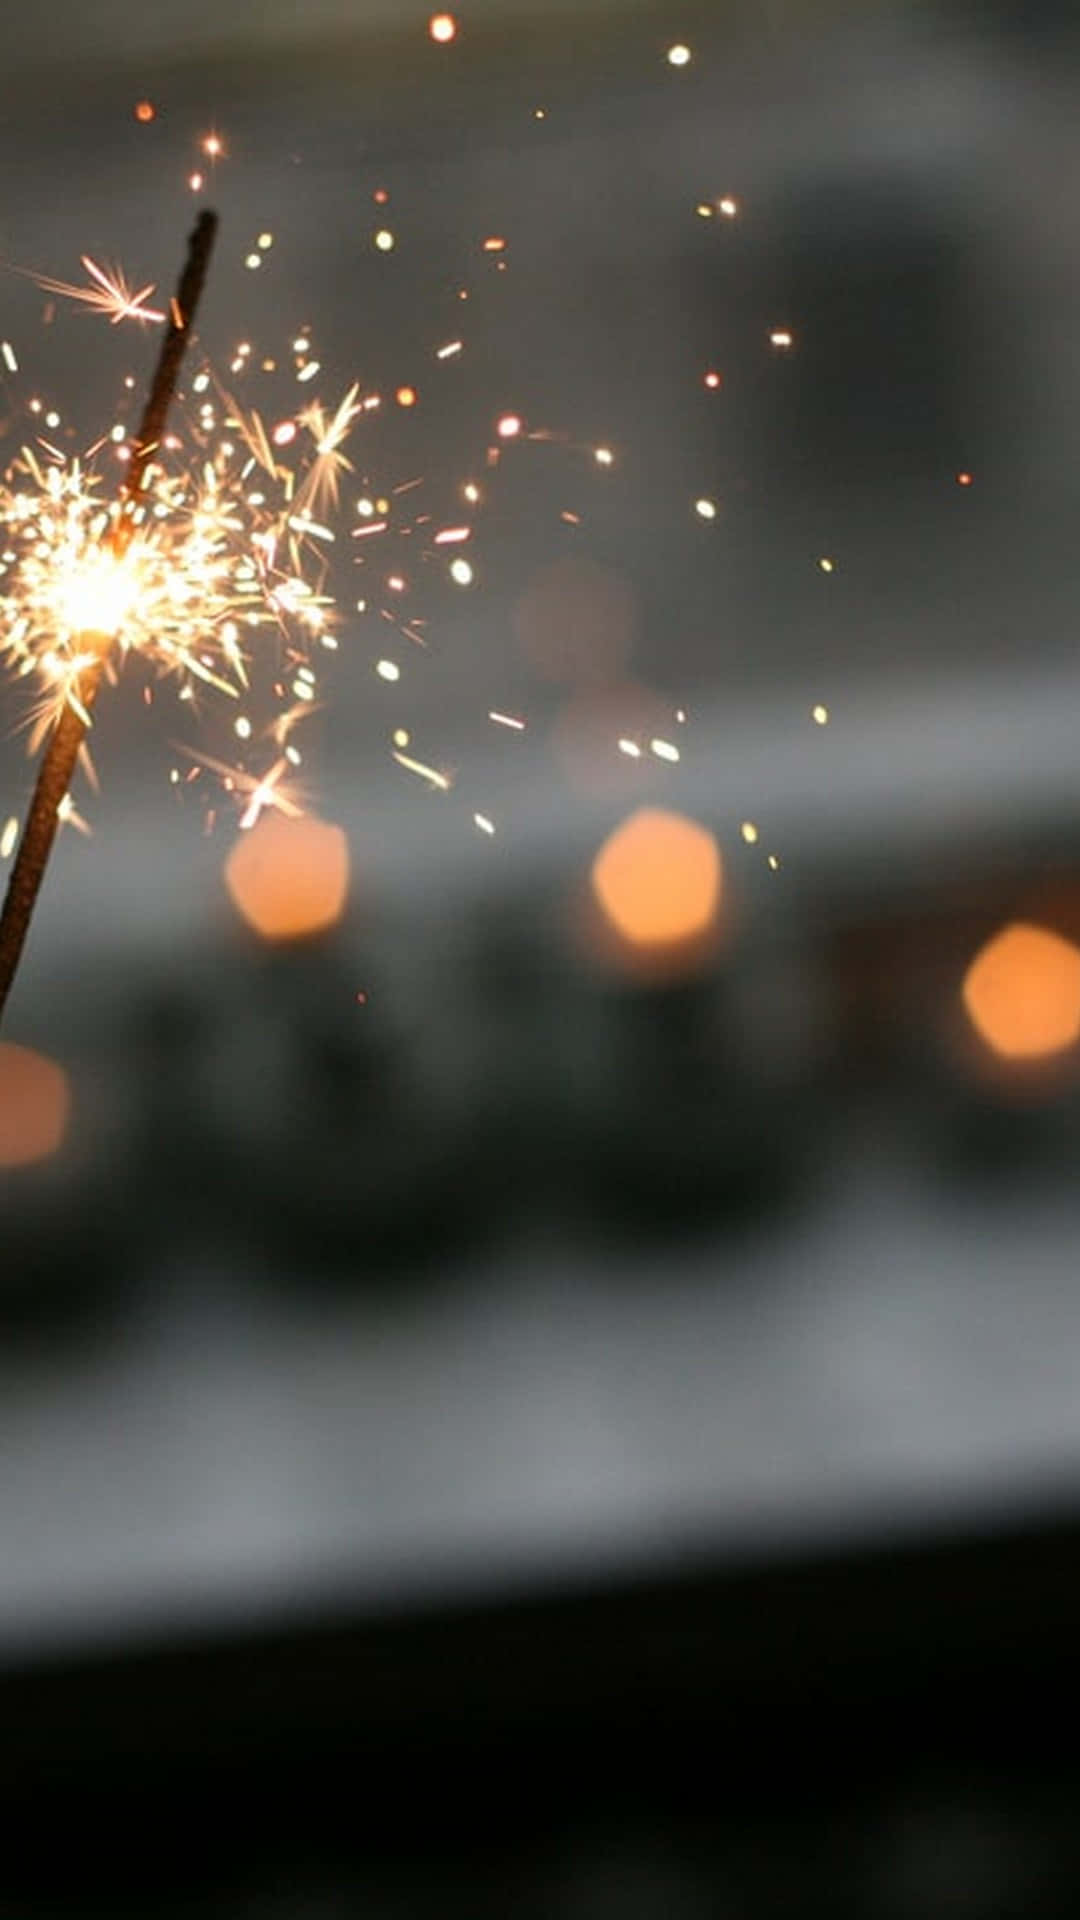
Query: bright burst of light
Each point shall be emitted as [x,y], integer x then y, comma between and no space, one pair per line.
[461,573]
[108,293]
[184,578]
[679,55]
[820,714]
[705,508]
[442,27]
[384,240]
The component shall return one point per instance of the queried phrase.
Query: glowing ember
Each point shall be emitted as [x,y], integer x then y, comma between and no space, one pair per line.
[442,27]
[145,111]
[679,55]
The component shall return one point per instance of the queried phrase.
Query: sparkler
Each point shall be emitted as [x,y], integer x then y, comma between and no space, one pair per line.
[103,589]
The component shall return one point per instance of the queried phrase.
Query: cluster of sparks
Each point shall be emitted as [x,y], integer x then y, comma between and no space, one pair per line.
[216,577]
[222,552]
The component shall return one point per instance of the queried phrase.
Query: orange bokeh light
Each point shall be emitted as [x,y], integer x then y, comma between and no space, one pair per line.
[1022,993]
[406,396]
[442,27]
[289,878]
[35,1103]
[145,111]
[657,879]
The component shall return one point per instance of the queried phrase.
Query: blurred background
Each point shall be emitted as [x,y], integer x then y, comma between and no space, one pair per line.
[538,1303]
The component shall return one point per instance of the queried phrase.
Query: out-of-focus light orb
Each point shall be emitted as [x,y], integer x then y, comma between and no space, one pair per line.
[728,206]
[289,878]
[145,111]
[713,380]
[820,714]
[35,1105]
[442,27]
[1022,993]
[509,426]
[679,55]
[406,396]
[657,878]
[384,240]
[461,573]
[964,479]
[213,146]
[705,509]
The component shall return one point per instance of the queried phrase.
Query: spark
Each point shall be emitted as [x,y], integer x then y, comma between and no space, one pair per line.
[451,348]
[10,361]
[431,774]
[509,426]
[145,111]
[109,293]
[749,833]
[706,508]
[461,573]
[604,457]
[9,837]
[442,28]
[827,565]
[679,55]
[388,669]
[820,714]
[484,823]
[384,240]
[728,207]
[664,750]
[507,720]
[630,748]
[781,337]
[451,536]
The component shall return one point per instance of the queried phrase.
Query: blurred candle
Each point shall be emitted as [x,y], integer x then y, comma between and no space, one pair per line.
[35,1102]
[289,878]
[1022,993]
[657,879]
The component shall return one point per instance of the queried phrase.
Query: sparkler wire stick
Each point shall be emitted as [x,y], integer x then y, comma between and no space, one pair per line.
[62,751]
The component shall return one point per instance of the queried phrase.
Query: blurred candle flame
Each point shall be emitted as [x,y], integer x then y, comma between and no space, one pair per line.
[1022,993]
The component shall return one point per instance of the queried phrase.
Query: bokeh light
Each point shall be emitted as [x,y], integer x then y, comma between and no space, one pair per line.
[289,877]
[442,27]
[35,1104]
[1022,993]
[657,879]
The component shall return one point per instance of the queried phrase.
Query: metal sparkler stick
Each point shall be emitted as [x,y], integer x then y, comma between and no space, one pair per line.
[61,753]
